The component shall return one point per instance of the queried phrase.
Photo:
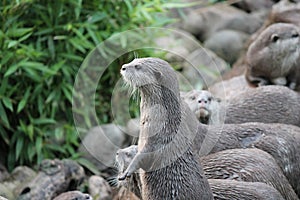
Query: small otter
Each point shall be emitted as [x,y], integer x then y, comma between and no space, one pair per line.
[262,169]
[167,130]
[274,57]
[203,104]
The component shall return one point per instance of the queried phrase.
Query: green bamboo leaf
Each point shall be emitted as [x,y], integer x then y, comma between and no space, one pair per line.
[51,47]
[40,121]
[12,69]
[12,43]
[7,103]
[38,145]
[3,116]
[67,93]
[18,32]
[23,102]
[19,146]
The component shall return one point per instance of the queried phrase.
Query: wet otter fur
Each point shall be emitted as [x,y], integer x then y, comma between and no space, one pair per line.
[282,141]
[249,165]
[204,105]
[241,171]
[167,130]
[274,57]
[236,190]
[268,104]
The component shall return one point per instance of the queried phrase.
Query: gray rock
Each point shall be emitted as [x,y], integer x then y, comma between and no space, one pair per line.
[202,67]
[101,143]
[205,21]
[227,44]
[99,188]
[6,192]
[252,5]
[55,177]
[178,44]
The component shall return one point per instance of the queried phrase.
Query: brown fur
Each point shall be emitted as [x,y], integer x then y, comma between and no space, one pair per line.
[274,56]
[268,104]
[167,132]
[279,140]
[250,165]
[234,190]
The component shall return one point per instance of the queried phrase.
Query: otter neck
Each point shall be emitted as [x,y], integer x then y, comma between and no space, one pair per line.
[168,103]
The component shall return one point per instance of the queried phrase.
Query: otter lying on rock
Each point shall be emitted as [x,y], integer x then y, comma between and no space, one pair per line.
[274,57]
[258,176]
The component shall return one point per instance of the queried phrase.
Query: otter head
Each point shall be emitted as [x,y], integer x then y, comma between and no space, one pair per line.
[201,102]
[275,51]
[124,157]
[148,74]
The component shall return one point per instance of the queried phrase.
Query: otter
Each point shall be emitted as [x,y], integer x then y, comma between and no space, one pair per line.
[167,130]
[236,190]
[268,104]
[274,57]
[72,195]
[203,104]
[249,165]
[267,172]
[282,141]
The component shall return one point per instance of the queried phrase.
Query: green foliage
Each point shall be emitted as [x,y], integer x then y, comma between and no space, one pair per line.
[43,44]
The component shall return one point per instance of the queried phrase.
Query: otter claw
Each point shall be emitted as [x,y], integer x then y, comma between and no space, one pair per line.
[123,176]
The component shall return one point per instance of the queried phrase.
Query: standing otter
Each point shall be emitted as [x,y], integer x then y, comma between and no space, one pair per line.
[261,169]
[168,127]
[274,57]
[204,105]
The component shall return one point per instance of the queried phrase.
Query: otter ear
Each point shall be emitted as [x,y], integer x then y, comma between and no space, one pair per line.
[157,74]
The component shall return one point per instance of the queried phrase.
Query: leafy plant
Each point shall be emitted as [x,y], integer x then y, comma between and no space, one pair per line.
[43,44]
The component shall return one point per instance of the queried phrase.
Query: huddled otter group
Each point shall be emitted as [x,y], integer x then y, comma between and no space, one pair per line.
[258,160]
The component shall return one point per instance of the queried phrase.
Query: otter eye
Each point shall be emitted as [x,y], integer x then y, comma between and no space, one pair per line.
[294,35]
[193,97]
[209,99]
[274,37]
[137,66]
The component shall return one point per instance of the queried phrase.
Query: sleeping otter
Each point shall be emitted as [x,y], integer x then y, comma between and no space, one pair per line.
[167,130]
[274,57]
